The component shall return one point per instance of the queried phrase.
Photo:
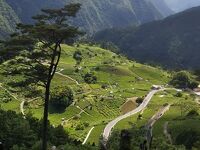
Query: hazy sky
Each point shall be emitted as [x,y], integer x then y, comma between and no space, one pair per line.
[180,5]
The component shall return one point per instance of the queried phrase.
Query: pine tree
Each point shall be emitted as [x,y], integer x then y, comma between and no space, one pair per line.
[35,50]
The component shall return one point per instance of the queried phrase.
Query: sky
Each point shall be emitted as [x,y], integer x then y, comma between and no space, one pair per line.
[180,5]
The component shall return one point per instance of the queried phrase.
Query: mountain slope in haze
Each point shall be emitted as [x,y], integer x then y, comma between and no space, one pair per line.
[162,7]
[95,15]
[173,42]
[8,19]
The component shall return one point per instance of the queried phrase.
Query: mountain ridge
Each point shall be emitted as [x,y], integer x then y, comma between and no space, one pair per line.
[95,15]
[171,42]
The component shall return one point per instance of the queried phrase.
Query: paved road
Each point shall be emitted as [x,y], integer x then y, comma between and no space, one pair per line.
[110,125]
[87,136]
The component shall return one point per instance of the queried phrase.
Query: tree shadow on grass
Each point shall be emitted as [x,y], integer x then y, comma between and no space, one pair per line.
[54,109]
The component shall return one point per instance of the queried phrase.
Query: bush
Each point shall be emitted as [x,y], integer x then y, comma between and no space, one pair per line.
[180,80]
[179,94]
[61,97]
[193,113]
[104,86]
[139,100]
[78,57]
[90,78]
[79,127]
[193,85]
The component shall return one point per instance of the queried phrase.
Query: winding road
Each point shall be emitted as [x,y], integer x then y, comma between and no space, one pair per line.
[110,125]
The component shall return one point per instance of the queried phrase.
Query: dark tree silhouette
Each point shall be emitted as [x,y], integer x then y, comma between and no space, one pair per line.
[35,50]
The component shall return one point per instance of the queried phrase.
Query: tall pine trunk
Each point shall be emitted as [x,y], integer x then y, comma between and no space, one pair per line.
[45,116]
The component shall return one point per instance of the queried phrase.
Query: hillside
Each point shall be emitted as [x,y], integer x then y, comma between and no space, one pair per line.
[97,103]
[171,42]
[95,15]
[8,19]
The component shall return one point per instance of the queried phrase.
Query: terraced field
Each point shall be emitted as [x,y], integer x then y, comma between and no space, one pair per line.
[95,104]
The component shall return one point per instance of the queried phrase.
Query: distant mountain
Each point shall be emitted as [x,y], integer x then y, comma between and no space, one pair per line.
[173,42]
[8,19]
[95,15]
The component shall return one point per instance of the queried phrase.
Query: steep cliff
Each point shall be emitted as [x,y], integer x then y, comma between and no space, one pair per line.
[95,15]
[8,19]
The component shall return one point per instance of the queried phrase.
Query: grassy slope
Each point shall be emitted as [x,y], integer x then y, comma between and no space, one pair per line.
[124,79]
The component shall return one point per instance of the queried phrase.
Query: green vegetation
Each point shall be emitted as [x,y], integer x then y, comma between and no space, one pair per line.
[97,103]
[61,97]
[182,116]
[36,49]
[19,133]
[182,80]
[92,103]
[171,42]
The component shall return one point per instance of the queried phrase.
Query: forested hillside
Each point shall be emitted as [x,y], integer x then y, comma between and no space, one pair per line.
[95,15]
[172,42]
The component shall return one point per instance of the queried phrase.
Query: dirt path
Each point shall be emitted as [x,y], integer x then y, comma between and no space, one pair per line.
[82,111]
[87,136]
[22,105]
[68,77]
[152,121]
[166,133]
[12,95]
[158,115]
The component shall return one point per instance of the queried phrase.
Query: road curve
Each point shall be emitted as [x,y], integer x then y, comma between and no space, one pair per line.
[110,125]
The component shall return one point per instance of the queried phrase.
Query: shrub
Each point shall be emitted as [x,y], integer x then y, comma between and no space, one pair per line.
[90,78]
[79,127]
[76,117]
[193,85]
[193,113]
[104,86]
[61,97]
[180,80]
[78,57]
[139,100]
[179,94]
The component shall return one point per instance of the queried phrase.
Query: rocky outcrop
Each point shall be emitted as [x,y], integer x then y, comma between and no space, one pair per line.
[8,19]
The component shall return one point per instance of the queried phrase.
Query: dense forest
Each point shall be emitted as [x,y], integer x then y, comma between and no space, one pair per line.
[170,43]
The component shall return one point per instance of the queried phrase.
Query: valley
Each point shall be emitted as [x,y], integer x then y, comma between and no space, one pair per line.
[96,104]
[99,75]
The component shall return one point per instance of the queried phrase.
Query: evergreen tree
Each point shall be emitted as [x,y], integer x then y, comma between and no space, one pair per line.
[35,50]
